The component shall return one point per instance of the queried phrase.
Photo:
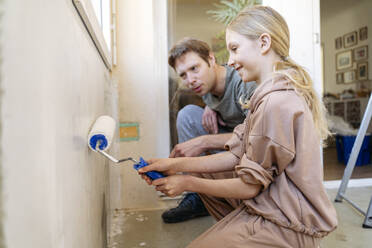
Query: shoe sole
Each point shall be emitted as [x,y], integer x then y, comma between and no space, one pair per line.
[184,218]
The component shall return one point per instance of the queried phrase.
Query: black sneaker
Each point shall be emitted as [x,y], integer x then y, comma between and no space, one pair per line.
[189,208]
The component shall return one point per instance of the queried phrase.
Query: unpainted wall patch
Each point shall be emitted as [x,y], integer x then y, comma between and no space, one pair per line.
[129,131]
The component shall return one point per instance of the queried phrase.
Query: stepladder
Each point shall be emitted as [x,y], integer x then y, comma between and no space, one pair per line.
[341,194]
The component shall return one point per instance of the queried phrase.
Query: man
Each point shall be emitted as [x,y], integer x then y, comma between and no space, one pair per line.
[199,131]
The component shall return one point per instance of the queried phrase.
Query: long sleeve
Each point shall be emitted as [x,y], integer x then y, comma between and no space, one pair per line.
[269,144]
[235,143]
[281,153]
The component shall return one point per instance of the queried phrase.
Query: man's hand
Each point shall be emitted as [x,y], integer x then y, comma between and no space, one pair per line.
[210,120]
[190,148]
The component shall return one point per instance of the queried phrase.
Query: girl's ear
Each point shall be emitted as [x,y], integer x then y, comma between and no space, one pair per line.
[265,43]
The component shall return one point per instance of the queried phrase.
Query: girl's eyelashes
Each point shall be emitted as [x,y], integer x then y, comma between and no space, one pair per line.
[232,47]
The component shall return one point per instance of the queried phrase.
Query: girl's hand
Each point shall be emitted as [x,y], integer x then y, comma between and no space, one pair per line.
[163,165]
[172,185]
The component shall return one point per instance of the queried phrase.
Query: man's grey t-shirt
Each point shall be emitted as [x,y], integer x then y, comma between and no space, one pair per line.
[228,105]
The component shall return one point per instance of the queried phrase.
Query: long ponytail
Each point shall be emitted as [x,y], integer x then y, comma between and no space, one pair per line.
[254,21]
[303,84]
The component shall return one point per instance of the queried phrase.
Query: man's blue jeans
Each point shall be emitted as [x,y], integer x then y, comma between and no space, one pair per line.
[189,124]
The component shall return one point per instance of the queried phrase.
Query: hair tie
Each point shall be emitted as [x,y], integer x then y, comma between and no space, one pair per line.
[285,58]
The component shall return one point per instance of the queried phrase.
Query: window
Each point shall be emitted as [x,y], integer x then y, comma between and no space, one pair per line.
[96,15]
[102,10]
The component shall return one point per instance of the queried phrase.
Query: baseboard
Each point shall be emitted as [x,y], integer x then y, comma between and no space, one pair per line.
[363,182]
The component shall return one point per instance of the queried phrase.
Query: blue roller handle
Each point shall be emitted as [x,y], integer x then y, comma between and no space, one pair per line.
[151,174]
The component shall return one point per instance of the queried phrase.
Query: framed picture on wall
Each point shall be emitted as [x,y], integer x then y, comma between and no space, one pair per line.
[362,71]
[350,39]
[339,78]
[363,33]
[344,60]
[349,76]
[338,42]
[360,53]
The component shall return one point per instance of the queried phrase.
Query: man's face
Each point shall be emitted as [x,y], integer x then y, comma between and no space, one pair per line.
[195,73]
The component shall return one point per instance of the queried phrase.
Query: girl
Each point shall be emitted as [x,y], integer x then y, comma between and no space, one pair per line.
[267,190]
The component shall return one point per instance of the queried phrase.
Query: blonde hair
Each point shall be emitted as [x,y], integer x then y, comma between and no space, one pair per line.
[254,21]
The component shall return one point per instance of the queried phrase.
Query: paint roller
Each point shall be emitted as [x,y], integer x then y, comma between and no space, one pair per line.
[100,138]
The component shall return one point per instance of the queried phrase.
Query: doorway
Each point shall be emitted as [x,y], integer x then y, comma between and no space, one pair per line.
[347,84]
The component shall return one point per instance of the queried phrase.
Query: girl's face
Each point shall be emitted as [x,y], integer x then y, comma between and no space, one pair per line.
[244,55]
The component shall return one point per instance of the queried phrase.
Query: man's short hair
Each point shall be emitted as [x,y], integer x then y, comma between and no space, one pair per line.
[186,45]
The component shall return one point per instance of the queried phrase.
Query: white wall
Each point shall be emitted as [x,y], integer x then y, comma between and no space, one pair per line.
[53,84]
[339,17]
[189,19]
[143,91]
[302,17]
[142,72]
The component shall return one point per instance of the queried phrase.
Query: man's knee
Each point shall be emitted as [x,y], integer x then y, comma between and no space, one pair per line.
[188,116]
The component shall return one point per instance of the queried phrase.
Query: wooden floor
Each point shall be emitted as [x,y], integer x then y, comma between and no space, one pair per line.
[333,170]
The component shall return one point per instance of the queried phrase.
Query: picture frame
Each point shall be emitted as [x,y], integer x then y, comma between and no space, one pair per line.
[338,42]
[363,33]
[360,53]
[339,78]
[344,60]
[349,76]
[350,39]
[362,71]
